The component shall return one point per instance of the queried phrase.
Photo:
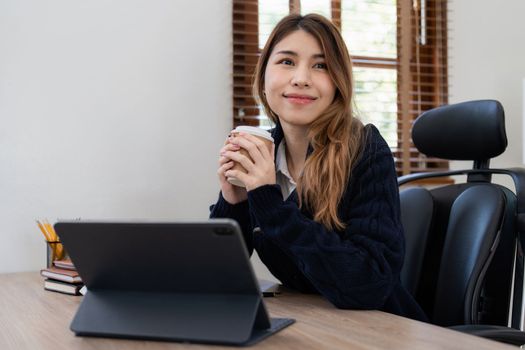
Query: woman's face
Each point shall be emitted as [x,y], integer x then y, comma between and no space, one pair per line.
[297,85]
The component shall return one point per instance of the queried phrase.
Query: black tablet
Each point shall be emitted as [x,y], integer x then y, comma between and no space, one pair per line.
[178,281]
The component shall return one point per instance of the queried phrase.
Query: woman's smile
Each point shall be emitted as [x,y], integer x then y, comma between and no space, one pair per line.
[299,99]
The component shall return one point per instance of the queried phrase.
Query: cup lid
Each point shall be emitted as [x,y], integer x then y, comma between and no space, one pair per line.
[254,131]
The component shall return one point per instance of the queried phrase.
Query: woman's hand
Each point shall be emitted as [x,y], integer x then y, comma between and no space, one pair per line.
[260,169]
[231,193]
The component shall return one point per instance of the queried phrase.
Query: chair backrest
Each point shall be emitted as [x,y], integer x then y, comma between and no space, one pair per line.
[471,239]
[461,238]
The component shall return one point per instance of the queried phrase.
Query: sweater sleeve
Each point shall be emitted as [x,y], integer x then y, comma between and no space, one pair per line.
[238,212]
[359,267]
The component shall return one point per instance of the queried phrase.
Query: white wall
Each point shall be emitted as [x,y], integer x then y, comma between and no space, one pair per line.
[487,61]
[108,109]
[101,103]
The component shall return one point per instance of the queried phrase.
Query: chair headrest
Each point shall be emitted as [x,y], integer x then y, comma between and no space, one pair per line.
[473,130]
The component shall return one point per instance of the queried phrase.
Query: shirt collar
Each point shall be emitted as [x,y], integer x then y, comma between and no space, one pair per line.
[281,165]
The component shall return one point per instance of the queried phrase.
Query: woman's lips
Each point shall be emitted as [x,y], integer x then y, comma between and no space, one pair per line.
[299,99]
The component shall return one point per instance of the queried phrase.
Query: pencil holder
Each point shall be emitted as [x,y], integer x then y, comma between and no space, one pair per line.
[55,251]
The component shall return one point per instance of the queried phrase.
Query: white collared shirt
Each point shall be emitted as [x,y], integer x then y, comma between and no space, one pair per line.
[282,175]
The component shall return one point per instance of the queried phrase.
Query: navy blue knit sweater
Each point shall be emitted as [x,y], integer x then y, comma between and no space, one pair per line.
[357,268]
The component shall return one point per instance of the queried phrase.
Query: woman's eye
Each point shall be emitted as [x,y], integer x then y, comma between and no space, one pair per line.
[320,65]
[286,62]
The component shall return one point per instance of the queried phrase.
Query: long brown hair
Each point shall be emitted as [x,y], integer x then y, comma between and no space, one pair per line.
[335,136]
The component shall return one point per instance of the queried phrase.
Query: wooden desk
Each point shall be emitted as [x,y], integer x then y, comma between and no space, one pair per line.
[32,318]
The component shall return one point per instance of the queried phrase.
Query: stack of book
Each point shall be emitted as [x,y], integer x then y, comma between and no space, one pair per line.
[62,277]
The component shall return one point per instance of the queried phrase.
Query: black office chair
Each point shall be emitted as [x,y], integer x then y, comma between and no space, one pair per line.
[464,259]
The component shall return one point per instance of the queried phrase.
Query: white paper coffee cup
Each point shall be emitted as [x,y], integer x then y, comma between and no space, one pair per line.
[252,130]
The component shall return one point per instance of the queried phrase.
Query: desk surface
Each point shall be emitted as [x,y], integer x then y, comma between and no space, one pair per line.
[32,318]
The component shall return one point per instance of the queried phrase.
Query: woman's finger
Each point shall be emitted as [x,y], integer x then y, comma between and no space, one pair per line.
[252,146]
[230,147]
[222,158]
[243,177]
[225,167]
[228,139]
[256,140]
[240,158]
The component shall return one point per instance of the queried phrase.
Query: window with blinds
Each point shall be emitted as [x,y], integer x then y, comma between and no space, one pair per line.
[398,51]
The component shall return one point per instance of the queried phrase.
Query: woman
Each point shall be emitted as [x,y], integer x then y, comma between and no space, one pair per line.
[322,208]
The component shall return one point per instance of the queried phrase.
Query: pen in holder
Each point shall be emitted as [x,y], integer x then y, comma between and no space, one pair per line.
[55,251]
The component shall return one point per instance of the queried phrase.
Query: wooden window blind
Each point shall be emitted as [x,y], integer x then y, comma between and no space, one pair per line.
[422,76]
[245,54]
[399,54]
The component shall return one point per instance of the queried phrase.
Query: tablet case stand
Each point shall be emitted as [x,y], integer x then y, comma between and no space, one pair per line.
[194,283]
[225,319]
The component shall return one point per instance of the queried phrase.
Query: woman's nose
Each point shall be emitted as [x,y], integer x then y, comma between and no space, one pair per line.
[301,77]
